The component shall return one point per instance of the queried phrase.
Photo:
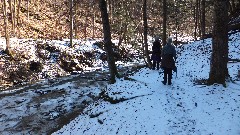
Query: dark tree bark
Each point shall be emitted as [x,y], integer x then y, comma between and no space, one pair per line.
[218,68]
[28,9]
[85,25]
[18,12]
[199,18]
[145,33]
[108,42]
[75,26]
[203,19]
[196,17]
[164,39]
[176,21]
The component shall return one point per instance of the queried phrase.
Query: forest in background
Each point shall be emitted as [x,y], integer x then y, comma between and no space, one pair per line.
[51,19]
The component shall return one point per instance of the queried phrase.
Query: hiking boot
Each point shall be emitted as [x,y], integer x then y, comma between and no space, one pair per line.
[164,82]
[169,81]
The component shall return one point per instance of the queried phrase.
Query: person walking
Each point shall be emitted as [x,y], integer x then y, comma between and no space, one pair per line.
[168,61]
[156,53]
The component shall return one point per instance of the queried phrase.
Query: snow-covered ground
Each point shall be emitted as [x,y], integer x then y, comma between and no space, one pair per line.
[185,108]
[138,104]
[43,59]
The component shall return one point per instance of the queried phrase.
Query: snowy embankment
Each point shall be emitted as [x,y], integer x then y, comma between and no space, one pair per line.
[187,107]
[33,60]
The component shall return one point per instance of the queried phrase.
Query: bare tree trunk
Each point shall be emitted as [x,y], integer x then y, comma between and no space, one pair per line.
[93,21]
[28,9]
[176,21]
[93,25]
[199,18]
[14,17]
[110,11]
[10,7]
[71,22]
[203,19]
[196,17]
[75,19]
[233,5]
[108,42]
[145,33]
[11,13]
[164,39]
[18,12]
[231,8]
[218,68]
[85,25]
[195,26]
[6,26]
[122,33]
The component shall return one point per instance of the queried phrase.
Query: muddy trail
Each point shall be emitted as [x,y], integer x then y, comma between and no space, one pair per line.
[46,106]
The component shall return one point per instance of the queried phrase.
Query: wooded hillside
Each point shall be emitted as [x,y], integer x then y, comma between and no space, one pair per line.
[50,19]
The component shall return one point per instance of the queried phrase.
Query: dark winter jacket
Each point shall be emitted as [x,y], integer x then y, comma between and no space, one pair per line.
[156,51]
[168,53]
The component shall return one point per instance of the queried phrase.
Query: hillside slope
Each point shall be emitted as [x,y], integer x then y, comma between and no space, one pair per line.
[48,20]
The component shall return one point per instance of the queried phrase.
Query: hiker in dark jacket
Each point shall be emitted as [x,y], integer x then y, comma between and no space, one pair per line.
[168,61]
[156,53]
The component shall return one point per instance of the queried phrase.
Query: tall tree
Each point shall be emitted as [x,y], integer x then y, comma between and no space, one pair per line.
[164,22]
[196,18]
[203,18]
[5,13]
[199,18]
[28,9]
[11,13]
[75,18]
[93,20]
[145,33]
[18,11]
[218,68]
[108,42]
[176,5]
[71,22]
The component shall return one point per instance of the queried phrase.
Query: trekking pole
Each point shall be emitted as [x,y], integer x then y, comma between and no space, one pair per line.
[176,72]
[175,68]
